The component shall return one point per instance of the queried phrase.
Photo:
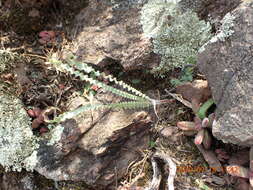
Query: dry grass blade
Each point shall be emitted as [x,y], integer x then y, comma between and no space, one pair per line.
[180,99]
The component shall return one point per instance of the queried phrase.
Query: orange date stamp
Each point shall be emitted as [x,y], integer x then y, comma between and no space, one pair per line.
[198,169]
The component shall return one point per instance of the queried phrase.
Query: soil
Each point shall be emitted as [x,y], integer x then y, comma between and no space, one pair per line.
[40,86]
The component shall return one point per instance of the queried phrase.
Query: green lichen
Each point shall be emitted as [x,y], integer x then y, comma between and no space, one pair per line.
[17,142]
[177,36]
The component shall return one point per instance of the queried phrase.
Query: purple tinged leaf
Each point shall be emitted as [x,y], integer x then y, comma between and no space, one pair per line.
[205,122]
[186,125]
[211,118]
[199,137]
[207,141]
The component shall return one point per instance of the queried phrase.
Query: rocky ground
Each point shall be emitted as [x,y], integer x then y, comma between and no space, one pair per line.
[208,143]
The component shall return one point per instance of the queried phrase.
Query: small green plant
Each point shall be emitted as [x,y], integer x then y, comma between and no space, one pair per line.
[152,144]
[202,112]
[136,99]
[186,76]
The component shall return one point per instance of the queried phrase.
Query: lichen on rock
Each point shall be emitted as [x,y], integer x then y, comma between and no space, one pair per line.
[55,134]
[155,16]
[17,142]
[177,36]
[228,67]
[224,32]
[124,4]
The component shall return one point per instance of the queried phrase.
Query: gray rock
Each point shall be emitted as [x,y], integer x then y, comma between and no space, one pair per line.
[107,31]
[229,70]
[214,9]
[94,147]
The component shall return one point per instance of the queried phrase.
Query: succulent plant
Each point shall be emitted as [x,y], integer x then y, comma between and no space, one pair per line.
[200,128]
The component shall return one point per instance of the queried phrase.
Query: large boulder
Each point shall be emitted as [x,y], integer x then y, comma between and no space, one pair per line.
[95,147]
[107,31]
[229,70]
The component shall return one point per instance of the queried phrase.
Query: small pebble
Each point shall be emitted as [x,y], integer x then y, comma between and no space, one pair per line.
[167,131]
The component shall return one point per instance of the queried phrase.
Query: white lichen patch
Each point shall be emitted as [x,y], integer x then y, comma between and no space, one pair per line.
[176,36]
[56,134]
[125,4]
[155,16]
[31,161]
[17,141]
[225,30]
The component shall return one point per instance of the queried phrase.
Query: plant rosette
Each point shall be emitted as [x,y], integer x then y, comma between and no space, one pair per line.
[199,127]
